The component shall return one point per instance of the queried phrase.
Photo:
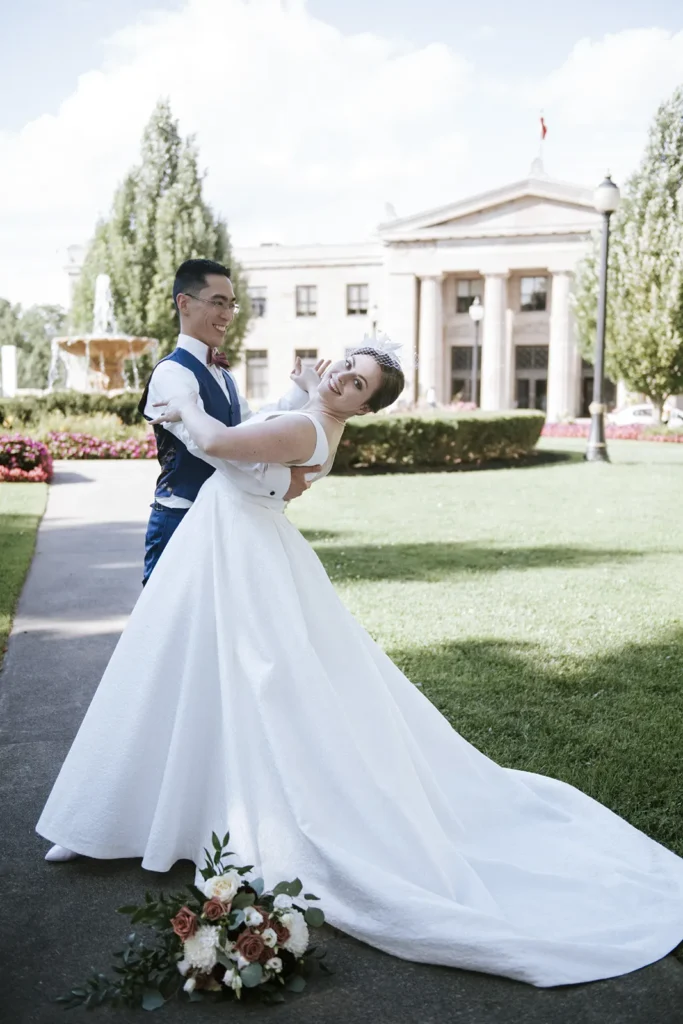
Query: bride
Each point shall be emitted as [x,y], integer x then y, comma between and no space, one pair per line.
[244,696]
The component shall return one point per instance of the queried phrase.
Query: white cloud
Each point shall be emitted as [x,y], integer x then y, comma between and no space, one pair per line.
[602,99]
[305,131]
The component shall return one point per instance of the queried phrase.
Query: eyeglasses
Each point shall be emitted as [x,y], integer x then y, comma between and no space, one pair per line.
[224,305]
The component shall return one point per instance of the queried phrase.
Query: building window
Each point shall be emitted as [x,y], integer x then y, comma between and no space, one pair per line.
[257,300]
[461,374]
[467,292]
[307,300]
[257,373]
[356,299]
[534,294]
[308,357]
[531,376]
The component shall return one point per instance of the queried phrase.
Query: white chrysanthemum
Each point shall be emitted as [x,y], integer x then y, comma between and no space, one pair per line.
[282,902]
[200,949]
[274,964]
[253,917]
[269,937]
[223,887]
[297,943]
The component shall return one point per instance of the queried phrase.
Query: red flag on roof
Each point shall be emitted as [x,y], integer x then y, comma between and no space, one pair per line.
[544,130]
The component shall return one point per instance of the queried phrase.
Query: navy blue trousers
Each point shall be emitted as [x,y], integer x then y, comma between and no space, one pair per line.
[163,523]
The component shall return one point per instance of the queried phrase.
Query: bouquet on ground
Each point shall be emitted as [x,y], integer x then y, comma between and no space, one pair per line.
[228,938]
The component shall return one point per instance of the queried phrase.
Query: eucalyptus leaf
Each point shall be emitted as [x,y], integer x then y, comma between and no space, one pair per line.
[252,975]
[242,900]
[310,896]
[259,885]
[296,984]
[315,917]
[152,999]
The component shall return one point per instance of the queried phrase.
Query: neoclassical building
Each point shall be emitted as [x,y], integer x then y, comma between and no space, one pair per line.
[515,248]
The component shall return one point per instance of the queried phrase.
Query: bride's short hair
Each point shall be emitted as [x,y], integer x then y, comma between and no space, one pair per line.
[392,382]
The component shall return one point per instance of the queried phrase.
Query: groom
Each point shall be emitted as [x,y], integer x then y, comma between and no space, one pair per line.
[205,300]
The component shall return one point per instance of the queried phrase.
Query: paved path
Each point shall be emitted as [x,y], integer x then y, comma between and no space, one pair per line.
[56,921]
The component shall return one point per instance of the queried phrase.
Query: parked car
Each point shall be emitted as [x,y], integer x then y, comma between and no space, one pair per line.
[643,415]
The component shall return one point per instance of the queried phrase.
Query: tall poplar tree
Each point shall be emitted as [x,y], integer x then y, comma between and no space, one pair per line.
[158,219]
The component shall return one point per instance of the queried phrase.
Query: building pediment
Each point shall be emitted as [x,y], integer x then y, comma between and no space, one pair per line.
[535,206]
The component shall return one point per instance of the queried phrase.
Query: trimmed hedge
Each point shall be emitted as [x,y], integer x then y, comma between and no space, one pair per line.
[411,442]
[24,460]
[25,412]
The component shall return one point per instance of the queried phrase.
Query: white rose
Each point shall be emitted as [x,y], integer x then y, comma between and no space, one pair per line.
[190,985]
[200,949]
[183,967]
[297,943]
[274,964]
[253,918]
[269,937]
[282,902]
[223,887]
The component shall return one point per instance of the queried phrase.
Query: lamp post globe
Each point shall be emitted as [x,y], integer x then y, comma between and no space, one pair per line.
[606,199]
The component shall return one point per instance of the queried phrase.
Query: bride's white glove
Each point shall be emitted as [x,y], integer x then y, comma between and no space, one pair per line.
[173,409]
[308,378]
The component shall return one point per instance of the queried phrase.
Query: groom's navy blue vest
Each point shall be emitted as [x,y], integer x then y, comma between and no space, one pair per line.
[183,474]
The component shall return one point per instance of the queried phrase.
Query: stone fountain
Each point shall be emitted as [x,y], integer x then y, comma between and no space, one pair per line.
[95,362]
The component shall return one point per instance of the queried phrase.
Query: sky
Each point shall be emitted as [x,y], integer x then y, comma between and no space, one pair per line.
[312,115]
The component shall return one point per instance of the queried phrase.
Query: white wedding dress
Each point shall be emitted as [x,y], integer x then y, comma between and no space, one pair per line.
[243,695]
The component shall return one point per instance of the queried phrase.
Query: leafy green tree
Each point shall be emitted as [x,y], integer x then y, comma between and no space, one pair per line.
[158,219]
[644,344]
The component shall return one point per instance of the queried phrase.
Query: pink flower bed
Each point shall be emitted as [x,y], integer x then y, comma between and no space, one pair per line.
[23,460]
[83,446]
[612,433]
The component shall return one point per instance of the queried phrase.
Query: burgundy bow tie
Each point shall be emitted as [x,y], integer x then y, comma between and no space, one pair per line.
[217,358]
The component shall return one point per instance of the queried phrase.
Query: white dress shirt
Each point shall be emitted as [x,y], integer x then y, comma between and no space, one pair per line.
[170,381]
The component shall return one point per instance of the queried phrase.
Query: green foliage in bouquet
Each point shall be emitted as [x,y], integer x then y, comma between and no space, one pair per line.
[228,938]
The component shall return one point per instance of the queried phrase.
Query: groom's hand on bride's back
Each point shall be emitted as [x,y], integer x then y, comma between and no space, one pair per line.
[299,482]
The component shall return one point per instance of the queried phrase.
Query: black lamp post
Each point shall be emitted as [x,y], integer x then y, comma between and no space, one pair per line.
[606,202]
[476,312]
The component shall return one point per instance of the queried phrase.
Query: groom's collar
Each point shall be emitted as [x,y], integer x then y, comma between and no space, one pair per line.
[196,348]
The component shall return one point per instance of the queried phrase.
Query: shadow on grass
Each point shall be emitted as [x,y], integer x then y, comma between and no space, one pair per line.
[432,562]
[609,725]
[535,459]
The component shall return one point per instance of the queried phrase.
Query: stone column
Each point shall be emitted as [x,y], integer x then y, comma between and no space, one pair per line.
[400,323]
[430,372]
[564,365]
[493,354]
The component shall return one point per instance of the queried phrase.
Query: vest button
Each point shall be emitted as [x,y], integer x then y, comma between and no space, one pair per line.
[272,494]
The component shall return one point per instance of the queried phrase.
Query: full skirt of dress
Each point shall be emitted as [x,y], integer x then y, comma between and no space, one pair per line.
[244,696]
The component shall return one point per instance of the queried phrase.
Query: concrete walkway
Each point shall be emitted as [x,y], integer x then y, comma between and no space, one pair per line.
[58,921]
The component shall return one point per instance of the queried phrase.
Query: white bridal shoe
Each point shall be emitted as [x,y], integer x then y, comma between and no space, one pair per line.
[60,853]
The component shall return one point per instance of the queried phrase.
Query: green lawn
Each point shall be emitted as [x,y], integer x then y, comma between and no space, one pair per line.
[21,506]
[540,608]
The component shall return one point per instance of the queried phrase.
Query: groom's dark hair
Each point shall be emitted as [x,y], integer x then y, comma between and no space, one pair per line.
[191,276]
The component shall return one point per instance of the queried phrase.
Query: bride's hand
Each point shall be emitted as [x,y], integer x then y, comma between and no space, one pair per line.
[308,378]
[172,410]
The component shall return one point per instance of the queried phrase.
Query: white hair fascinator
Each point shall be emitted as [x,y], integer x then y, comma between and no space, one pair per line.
[383,343]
